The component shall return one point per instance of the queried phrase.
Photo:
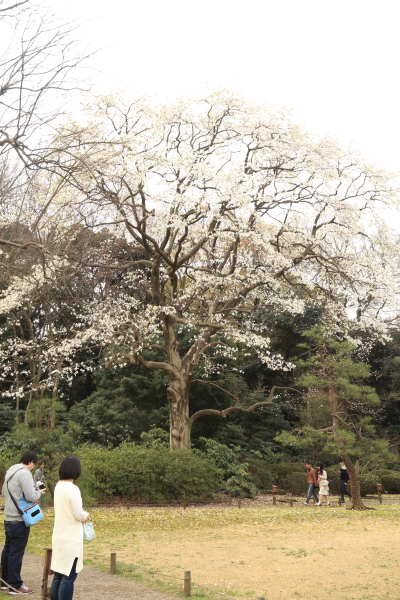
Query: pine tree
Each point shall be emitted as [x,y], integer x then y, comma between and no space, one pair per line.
[331,371]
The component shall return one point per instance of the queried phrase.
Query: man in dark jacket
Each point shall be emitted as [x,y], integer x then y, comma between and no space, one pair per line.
[19,480]
[344,480]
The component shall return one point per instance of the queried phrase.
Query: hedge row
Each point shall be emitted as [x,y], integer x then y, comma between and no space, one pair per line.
[154,475]
[134,473]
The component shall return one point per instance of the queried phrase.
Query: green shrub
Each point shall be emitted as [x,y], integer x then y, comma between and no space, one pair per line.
[282,471]
[153,475]
[368,483]
[294,483]
[241,485]
[155,438]
[261,472]
[7,459]
[390,481]
[238,481]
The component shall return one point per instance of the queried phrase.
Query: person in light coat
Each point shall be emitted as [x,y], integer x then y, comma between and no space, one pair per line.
[67,558]
[323,483]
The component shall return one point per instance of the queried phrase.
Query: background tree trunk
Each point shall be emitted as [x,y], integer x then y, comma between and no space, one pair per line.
[178,401]
[358,503]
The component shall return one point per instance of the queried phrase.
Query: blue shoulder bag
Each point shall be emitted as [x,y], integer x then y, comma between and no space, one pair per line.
[29,511]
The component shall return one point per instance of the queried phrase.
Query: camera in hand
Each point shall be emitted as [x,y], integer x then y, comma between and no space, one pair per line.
[40,486]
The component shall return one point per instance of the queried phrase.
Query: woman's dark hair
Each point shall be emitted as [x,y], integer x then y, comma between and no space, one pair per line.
[28,457]
[70,468]
[320,467]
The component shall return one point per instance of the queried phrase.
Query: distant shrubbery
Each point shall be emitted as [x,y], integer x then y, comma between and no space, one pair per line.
[292,478]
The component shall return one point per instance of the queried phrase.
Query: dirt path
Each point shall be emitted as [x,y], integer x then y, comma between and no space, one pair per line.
[91,584]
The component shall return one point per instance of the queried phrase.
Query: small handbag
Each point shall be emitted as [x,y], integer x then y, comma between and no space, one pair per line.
[29,511]
[88,532]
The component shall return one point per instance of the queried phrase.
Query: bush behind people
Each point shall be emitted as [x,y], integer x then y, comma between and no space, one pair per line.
[153,475]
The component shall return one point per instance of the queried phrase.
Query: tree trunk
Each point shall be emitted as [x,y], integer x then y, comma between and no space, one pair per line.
[358,503]
[27,410]
[17,395]
[54,396]
[50,487]
[178,401]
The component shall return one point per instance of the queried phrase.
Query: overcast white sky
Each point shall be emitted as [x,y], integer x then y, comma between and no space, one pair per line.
[334,63]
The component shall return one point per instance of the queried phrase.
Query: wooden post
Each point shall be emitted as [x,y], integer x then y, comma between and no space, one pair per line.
[239,503]
[340,502]
[184,504]
[46,571]
[291,506]
[274,490]
[230,501]
[186,583]
[379,486]
[113,562]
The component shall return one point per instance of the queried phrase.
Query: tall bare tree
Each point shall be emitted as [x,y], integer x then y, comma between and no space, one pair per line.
[38,68]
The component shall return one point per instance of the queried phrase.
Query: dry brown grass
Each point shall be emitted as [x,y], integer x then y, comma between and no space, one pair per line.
[304,553]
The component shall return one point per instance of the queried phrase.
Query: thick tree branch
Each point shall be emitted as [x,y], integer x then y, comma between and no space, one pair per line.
[121,358]
[226,411]
[23,245]
[14,5]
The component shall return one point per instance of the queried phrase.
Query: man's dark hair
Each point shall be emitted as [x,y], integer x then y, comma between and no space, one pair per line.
[70,468]
[28,457]
[307,462]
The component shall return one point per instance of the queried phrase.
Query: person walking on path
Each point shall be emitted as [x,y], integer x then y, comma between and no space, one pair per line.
[39,478]
[344,480]
[312,483]
[323,485]
[67,540]
[18,480]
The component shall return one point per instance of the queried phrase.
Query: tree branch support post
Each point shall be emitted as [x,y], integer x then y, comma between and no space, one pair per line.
[274,490]
[46,571]
[187,583]
[113,563]
[379,487]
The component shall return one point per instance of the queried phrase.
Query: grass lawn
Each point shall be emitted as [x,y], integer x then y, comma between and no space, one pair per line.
[301,553]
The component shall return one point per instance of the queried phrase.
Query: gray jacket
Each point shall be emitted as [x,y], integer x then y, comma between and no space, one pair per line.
[22,482]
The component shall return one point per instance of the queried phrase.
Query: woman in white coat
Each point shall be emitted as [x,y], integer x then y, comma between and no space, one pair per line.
[67,558]
[323,483]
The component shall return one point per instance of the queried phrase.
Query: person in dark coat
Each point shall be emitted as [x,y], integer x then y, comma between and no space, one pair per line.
[344,481]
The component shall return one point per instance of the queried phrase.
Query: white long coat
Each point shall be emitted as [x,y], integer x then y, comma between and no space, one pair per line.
[67,541]
[323,484]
